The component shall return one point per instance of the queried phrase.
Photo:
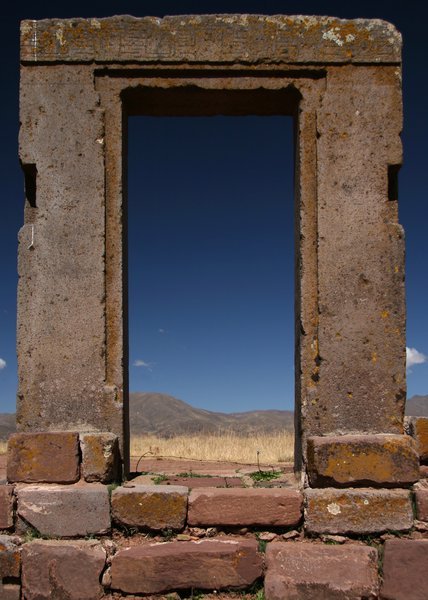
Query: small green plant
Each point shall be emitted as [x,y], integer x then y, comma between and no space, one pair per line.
[265,475]
[158,479]
[260,595]
[168,534]
[32,534]
[112,486]
[191,474]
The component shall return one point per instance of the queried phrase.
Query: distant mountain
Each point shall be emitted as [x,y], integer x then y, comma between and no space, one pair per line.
[167,416]
[417,406]
[7,425]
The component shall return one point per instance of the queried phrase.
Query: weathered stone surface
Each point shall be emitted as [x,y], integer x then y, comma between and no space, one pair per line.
[49,457]
[358,379]
[357,511]
[10,591]
[421,497]
[10,556]
[211,38]
[100,456]
[277,507]
[405,572]
[65,511]
[63,570]
[207,564]
[6,506]
[204,482]
[419,430]
[362,460]
[309,571]
[152,507]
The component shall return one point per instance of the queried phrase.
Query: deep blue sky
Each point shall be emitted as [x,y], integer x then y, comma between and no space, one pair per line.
[211,253]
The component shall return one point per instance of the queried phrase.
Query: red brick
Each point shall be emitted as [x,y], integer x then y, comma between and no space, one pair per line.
[276,507]
[362,460]
[208,564]
[315,571]
[63,570]
[150,506]
[6,506]
[48,457]
[67,510]
[405,570]
[358,511]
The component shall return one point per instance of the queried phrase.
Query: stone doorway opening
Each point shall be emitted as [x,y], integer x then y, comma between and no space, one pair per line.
[210,284]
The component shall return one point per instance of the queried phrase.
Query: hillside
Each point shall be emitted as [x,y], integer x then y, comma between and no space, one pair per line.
[417,406]
[166,416]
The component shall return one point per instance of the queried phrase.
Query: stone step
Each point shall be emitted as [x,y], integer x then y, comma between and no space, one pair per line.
[62,569]
[357,511]
[208,565]
[274,507]
[405,570]
[318,571]
[65,510]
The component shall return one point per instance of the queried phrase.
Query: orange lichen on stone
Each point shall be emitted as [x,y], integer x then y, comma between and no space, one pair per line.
[359,511]
[100,457]
[10,557]
[419,430]
[44,457]
[150,507]
[379,460]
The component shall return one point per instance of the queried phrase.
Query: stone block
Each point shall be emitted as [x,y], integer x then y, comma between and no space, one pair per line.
[6,506]
[152,507]
[63,570]
[418,427]
[309,571]
[208,564]
[229,39]
[358,511]
[405,572]
[48,457]
[100,456]
[10,591]
[65,511]
[421,497]
[10,556]
[275,507]
[362,460]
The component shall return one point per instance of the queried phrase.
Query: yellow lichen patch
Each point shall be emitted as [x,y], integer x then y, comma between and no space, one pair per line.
[384,314]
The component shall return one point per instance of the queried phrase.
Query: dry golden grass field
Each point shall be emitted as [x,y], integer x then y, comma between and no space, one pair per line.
[228,447]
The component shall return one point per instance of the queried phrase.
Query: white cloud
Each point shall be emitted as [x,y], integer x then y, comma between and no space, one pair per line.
[160,330]
[142,363]
[414,357]
[2,364]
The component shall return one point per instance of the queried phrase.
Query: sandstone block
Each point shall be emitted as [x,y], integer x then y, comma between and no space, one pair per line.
[309,571]
[65,511]
[6,506]
[10,591]
[208,564]
[362,460]
[405,572]
[152,507]
[100,456]
[357,511]
[276,507]
[10,556]
[58,569]
[48,457]
[419,430]
[422,504]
